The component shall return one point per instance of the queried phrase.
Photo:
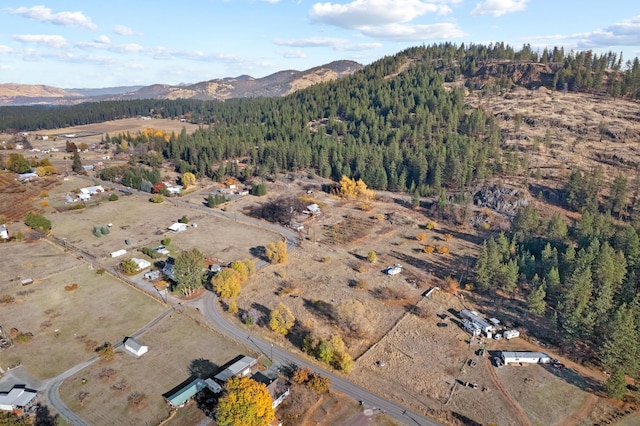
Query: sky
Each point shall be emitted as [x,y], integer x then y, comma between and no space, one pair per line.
[94,44]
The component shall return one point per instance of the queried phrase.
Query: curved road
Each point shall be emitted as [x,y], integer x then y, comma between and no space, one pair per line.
[283,357]
[211,310]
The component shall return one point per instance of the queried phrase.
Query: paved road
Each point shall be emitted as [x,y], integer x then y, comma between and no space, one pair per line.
[208,304]
[283,357]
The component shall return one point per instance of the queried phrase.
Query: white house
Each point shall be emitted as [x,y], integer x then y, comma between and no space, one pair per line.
[141,263]
[393,270]
[313,209]
[25,177]
[173,189]
[84,197]
[4,232]
[92,190]
[135,347]
[525,358]
[19,398]
[178,227]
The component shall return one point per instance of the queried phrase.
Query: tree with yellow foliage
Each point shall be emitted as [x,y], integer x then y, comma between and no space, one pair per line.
[282,320]
[226,283]
[245,402]
[188,179]
[277,252]
[350,188]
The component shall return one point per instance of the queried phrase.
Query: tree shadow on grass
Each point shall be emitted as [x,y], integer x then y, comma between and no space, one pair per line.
[260,252]
[297,334]
[321,308]
[202,368]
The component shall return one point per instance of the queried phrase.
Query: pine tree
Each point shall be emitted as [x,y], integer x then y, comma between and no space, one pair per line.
[535,301]
[621,347]
[77,162]
[616,386]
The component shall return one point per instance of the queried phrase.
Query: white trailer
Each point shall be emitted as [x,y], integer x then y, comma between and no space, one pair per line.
[511,334]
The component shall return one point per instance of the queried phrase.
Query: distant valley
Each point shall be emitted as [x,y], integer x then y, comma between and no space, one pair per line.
[278,84]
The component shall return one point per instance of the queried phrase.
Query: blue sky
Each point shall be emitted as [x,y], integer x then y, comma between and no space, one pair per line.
[86,44]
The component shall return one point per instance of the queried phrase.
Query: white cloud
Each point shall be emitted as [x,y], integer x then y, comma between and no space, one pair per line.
[271,1]
[48,40]
[334,43]
[103,39]
[293,54]
[499,7]
[396,32]
[123,30]
[312,42]
[374,12]
[67,19]
[625,33]
[5,49]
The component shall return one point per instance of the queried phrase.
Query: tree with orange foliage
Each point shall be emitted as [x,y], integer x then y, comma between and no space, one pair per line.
[452,285]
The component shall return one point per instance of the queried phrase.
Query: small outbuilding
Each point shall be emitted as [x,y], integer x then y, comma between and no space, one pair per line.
[118,253]
[178,227]
[393,270]
[4,232]
[135,347]
[179,395]
[92,190]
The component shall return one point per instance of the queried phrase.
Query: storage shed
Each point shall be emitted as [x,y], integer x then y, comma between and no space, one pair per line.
[178,227]
[135,347]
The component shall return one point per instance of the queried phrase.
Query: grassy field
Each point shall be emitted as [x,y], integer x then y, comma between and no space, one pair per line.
[66,324]
[174,344]
[134,218]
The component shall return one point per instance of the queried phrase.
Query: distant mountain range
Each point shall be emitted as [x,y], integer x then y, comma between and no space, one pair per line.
[279,84]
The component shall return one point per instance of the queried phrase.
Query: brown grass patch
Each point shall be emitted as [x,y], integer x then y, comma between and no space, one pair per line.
[71,287]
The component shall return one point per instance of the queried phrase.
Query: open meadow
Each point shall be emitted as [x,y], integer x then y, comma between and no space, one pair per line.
[70,309]
[178,347]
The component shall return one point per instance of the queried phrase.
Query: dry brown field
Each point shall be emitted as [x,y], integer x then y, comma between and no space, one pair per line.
[145,224]
[67,324]
[174,344]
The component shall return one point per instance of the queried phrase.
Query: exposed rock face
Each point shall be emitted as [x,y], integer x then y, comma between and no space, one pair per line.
[501,199]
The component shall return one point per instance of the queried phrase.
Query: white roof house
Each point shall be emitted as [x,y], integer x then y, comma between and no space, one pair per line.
[525,358]
[178,227]
[92,190]
[4,232]
[17,399]
[24,177]
[173,189]
[483,324]
[313,209]
[241,367]
[141,263]
[84,197]
[135,347]
[393,270]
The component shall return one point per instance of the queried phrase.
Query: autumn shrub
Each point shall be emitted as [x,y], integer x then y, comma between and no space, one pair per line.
[301,375]
[277,252]
[157,198]
[319,384]
[44,204]
[364,207]
[485,226]
[78,206]
[421,236]
[448,237]
[6,298]
[233,307]
[428,249]
[443,250]
[44,194]
[362,269]
[326,259]
[106,351]
[372,256]
[430,226]
[451,285]
[71,287]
